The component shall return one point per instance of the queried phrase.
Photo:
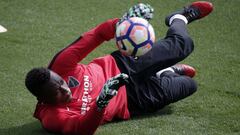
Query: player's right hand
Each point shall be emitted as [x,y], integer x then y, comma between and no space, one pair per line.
[110,89]
[141,10]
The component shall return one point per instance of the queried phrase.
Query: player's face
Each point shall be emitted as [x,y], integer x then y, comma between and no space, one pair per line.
[59,91]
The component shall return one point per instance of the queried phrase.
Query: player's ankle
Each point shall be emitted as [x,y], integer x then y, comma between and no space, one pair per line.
[159,73]
[178,16]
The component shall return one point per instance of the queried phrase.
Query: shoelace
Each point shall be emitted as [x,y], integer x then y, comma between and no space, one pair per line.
[179,70]
[191,13]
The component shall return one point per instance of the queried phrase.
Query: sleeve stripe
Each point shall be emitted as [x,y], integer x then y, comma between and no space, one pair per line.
[55,57]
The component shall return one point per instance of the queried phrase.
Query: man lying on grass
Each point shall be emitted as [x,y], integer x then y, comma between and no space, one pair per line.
[75,99]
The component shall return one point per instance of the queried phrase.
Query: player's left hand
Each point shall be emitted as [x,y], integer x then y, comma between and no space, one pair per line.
[141,10]
[110,89]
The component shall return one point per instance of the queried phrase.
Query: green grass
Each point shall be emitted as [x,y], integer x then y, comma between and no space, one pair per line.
[39,29]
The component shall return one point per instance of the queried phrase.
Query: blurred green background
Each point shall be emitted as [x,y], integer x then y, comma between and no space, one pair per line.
[39,29]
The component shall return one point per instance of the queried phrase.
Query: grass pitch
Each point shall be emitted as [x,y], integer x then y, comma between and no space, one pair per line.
[39,29]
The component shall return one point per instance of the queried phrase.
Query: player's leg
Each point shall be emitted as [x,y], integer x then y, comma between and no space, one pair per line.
[192,12]
[176,86]
[175,47]
[168,87]
[177,82]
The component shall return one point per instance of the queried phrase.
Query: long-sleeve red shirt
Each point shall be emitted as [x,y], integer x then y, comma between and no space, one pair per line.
[81,116]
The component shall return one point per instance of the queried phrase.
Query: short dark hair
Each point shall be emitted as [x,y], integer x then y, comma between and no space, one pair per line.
[35,79]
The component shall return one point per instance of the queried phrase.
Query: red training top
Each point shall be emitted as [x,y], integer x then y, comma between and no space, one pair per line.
[81,116]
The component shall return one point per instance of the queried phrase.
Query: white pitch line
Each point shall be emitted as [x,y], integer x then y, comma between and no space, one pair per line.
[2,29]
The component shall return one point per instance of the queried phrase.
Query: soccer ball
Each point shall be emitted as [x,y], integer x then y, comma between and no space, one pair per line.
[135,36]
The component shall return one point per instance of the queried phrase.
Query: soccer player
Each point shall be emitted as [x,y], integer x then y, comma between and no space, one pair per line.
[75,99]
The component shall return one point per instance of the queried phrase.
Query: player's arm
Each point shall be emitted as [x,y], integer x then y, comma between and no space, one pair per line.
[72,123]
[75,52]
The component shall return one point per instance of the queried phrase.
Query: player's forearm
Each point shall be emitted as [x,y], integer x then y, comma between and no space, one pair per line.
[106,30]
[85,124]
[74,53]
[93,38]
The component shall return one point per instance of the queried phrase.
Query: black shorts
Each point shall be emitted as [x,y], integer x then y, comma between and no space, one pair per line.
[146,92]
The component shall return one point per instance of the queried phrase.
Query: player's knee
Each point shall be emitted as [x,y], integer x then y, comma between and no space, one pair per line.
[193,86]
[188,41]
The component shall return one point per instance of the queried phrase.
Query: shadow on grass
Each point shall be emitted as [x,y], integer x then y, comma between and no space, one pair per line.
[167,110]
[33,128]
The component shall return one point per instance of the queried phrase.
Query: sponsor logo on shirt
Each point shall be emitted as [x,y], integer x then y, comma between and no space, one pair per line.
[72,82]
[86,98]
